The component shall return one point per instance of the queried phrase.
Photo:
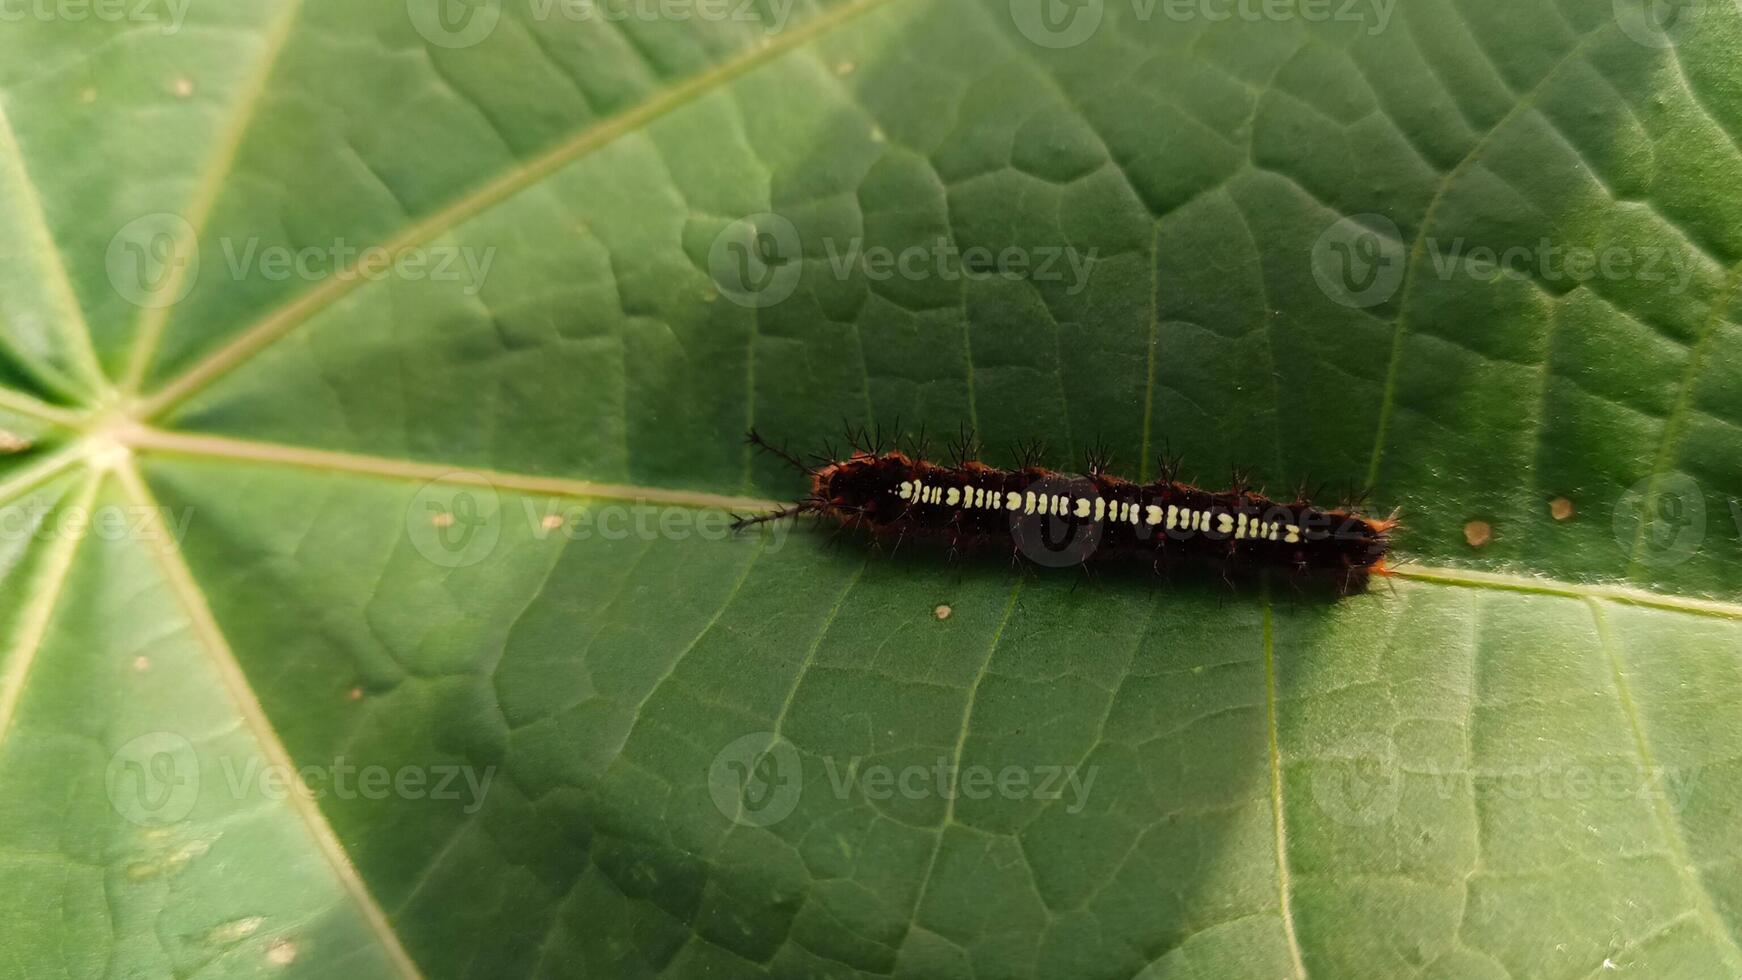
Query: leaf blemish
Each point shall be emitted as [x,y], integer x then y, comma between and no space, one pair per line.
[1561,509]
[942,611]
[1478,533]
[281,952]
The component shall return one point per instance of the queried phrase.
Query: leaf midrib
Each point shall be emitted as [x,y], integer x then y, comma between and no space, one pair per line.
[252,451]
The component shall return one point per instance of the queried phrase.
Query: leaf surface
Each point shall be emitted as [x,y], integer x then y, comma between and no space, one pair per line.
[375,617]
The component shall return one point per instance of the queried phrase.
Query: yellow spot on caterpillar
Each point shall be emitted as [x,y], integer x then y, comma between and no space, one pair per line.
[1561,509]
[1012,500]
[1152,515]
[1225,523]
[1172,516]
[942,612]
[1293,536]
[1028,502]
[1100,508]
[1478,533]
[1082,507]
[953,497]
[905,490]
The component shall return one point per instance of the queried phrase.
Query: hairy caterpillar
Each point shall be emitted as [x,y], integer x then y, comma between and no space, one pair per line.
[1057,519]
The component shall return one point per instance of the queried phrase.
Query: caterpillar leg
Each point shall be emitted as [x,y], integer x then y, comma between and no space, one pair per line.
[754,438]
[740,523]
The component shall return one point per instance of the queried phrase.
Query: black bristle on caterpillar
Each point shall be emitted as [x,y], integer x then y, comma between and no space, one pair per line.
[1057,519]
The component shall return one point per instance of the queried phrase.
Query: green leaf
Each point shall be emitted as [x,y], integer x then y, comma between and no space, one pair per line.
[372,386]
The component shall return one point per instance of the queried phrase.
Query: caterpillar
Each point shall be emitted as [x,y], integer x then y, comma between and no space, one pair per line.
[1057,519]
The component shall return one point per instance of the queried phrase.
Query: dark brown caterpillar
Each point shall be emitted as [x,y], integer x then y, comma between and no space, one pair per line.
[1056,519]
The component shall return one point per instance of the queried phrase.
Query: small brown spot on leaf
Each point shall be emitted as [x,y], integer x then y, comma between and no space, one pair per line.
[183,87]
[942,612]
[1478,533]
[551,522]
[443,519]
[1561,509]
[141,663]
[355,694]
